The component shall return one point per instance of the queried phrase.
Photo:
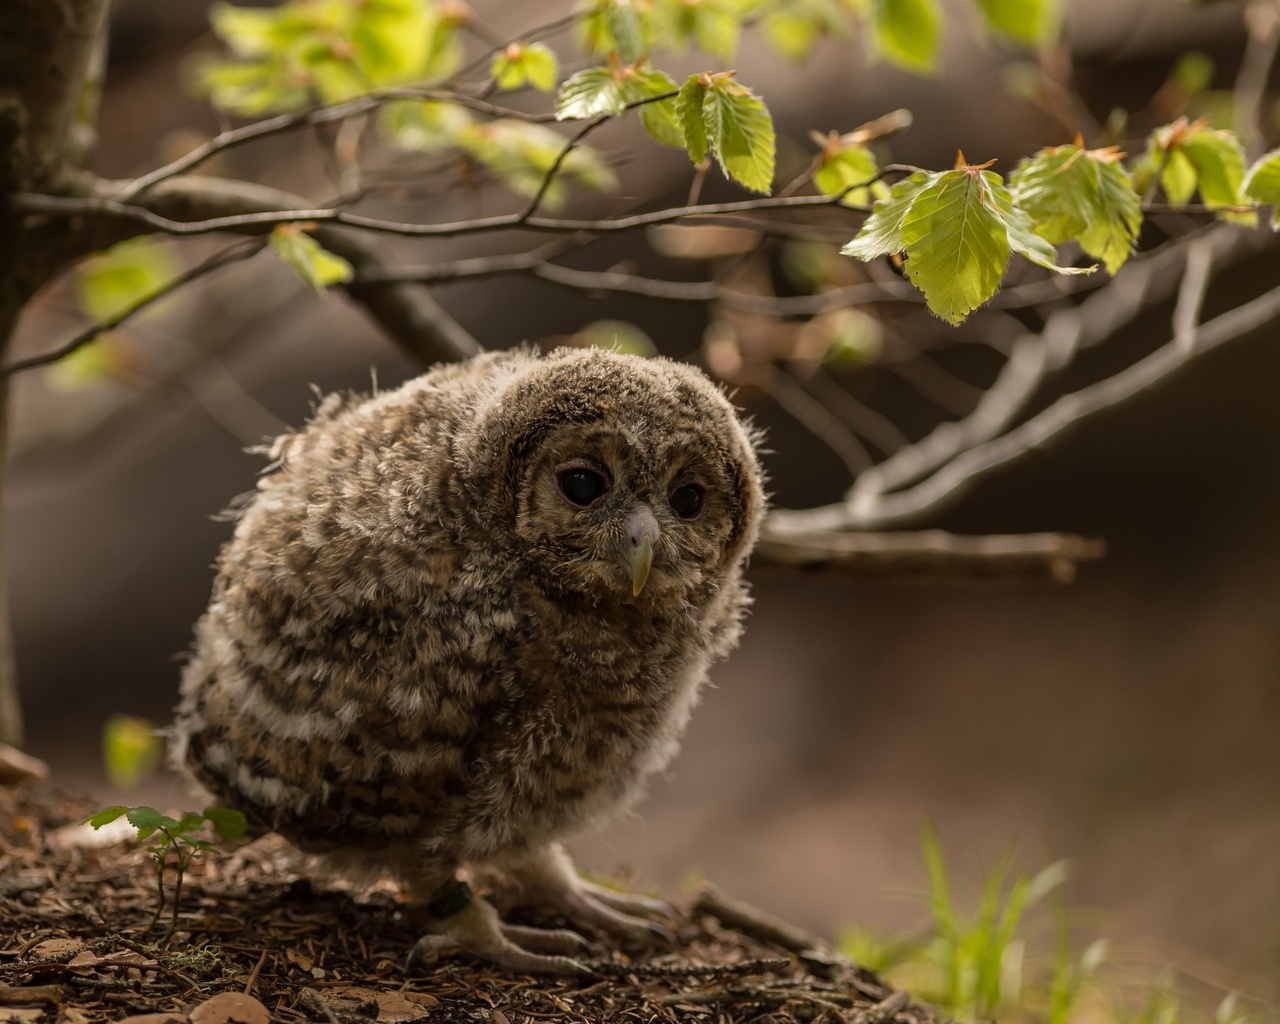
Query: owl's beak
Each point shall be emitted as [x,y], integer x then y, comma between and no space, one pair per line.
[637,552]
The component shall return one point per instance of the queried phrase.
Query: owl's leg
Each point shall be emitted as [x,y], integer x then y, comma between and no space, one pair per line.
[548,878]
[460,921]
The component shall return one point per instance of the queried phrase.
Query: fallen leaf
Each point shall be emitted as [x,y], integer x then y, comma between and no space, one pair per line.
[51,948]
[296,956]
[393,1006]
[21,1014]
[230,1008]
[151,1018]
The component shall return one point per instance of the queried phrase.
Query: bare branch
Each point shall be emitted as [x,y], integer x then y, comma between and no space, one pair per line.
[861,419]
[265,220]
[1033,358]
[815,417]
[931,553]
[231,254]
[950,480]
[1262,24]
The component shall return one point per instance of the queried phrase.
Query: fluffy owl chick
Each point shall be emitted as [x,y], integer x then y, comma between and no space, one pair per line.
[462,620]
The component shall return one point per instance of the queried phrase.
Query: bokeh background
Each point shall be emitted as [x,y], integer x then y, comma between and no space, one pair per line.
[1129,722]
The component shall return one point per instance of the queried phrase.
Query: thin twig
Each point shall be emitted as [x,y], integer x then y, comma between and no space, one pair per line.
[231,254]
[313,117]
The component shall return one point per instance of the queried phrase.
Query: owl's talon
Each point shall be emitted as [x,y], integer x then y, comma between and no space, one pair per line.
[476,929]
[546,940]
[430,948]
[634,903]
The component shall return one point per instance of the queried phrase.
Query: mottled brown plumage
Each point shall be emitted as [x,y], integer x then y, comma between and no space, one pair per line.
[435,639]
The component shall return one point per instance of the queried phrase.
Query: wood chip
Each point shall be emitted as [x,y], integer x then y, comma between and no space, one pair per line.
[231,1008]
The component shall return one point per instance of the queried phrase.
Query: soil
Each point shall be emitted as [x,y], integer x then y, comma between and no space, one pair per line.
[255,942]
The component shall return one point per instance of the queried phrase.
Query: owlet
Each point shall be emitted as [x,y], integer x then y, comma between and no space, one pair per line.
[462,620]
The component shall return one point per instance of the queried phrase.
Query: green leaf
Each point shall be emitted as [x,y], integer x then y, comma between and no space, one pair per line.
[610,90]
[522,64]
[881,234]
[106,816]
[229,824]
[1082,195]
[393,42]
[1218,159]
[907,33]
[590,92]
[248,31]
[146,820]
[314,264]
[1196,157]
[250,88]
[1178,179]
[714,26]
[614,25]
[689,112]
[956,243]
[123,276]
[851,165]
[189,822]
[1262,184]
[795,28]
[659,118]
[425,125]
[739,133]
[1032,22]
[521,154]
[131,750]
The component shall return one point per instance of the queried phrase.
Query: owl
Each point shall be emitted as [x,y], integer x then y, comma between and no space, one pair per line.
[463,620]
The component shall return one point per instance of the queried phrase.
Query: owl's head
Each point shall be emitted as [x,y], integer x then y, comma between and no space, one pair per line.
[619,477]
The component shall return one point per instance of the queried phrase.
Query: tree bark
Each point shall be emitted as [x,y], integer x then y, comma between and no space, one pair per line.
[51,59]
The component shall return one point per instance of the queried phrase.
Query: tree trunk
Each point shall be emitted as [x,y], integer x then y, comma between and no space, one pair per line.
[51,58]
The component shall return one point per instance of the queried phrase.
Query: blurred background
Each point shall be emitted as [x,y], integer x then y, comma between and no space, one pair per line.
[1129,722]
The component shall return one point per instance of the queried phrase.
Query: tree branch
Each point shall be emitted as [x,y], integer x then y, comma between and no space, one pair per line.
[231,254]
[932,553]
[951,480]
[406,312]
[1032,360]
[103,205]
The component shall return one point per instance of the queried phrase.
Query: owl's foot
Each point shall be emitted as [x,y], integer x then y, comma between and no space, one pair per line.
[473,926]
[549,879]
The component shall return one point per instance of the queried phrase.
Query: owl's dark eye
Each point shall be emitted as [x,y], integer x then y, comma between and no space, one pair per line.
[581,486]
[686,501]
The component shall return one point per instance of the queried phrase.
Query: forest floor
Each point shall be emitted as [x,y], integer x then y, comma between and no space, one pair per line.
[256,943]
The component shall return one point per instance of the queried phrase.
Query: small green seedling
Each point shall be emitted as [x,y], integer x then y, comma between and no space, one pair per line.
[175,836]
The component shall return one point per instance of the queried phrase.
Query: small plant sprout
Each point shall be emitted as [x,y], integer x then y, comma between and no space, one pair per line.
[176,836]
